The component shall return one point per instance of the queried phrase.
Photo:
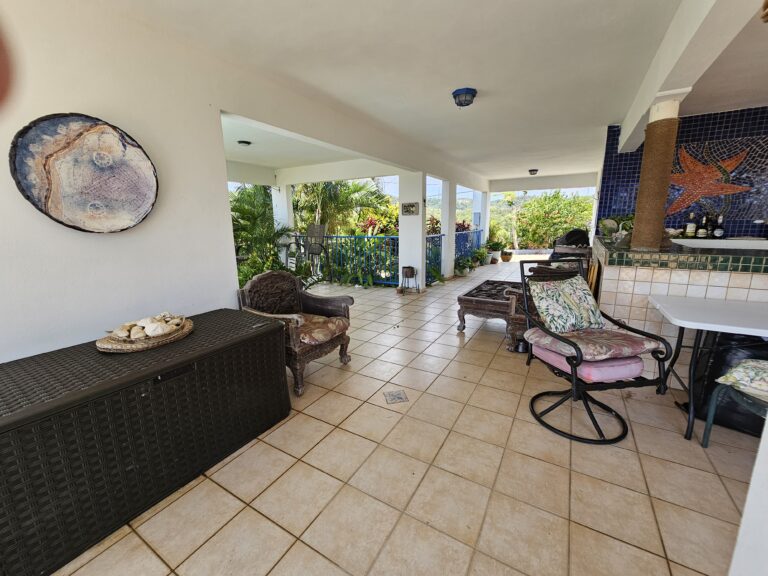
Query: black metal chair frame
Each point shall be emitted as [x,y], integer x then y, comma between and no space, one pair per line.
[723,392]
[580,390]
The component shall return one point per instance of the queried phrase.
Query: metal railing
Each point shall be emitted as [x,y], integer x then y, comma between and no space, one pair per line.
[468,241]
[434,257]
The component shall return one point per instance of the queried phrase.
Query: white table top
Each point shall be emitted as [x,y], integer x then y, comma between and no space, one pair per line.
[734,317]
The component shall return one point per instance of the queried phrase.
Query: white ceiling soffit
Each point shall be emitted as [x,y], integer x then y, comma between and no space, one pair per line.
[737,79]
[584,180]
[273,149]
[550,75]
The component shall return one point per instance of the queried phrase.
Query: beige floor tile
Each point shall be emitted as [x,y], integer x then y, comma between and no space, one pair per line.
[301,560]
[426,335]
[535,482]
[652,414]
[581,425]
[402,331]
[359,386]
[463,371]
[261,436]
[311,394]
[483,346]
[560,417]
[614,510]
[356,363]
[371,350]
[381,370]
[595,554]
[732,462]
[737,490]
[389,476]
[535,440]
[534,385]
[451,388]
[495,400]
[484,425]
[524,537]
[340,453]
[127,557]
[93,552]
[451,504]
[475,357]
[678,570]
[333,408]
[371,422]
[416,438]
[255,469]
[722,435]
[483,565]
[412,323]
[503,380]
[362,333]
[249,544]
[430,363]
[398,356]
[670,446]
[379,398]
[435,410]
[201,512]
[299,435]
[297,497]
[695,540]
[512,362]
[690,488]
[328,377]
[144,516]
[415,548]
[386,339]
[470,458]
[412,344]
[351,530]
[414,378]
[442,351]
[613,465]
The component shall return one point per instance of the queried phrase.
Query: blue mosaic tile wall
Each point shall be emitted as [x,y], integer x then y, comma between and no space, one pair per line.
[710,139]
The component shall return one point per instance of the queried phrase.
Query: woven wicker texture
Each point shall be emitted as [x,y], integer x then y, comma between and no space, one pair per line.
[75,474]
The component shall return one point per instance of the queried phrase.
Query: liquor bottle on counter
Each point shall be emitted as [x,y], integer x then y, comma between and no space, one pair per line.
[690,226]
[701,231]
[719,231]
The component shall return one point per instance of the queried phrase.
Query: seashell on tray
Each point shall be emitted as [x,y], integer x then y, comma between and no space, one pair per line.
[149,327]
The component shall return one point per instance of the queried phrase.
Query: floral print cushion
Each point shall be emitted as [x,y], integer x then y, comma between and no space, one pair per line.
[748,376]
[319,329]
[566,305]
[596,344]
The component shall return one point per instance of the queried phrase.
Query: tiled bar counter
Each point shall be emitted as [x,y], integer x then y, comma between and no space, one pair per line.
[627,279]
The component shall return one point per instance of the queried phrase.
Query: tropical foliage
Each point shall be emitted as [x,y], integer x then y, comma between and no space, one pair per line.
[338,204]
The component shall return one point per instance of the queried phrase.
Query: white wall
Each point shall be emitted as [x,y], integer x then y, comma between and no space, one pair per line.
[250,173]
[544,182]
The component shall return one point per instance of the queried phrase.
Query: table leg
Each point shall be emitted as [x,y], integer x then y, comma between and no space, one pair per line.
[675,355]
[691,378]
[462,324]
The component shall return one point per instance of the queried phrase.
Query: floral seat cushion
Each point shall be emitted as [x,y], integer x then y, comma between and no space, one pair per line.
[320,329]
[566,305]
[750,377]
[595,343]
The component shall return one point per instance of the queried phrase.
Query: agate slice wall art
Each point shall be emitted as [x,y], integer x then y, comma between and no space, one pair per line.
[83,172]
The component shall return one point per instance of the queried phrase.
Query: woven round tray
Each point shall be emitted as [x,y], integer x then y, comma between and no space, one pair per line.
[120,346]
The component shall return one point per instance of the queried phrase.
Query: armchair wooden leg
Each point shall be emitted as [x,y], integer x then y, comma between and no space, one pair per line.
[343,356]
[298,378]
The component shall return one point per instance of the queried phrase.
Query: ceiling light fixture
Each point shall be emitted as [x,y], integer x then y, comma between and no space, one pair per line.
[464,96]
[533,171]
[244,142]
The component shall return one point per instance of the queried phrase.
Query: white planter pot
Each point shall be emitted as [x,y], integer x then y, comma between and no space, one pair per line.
[496,255]
[488,257]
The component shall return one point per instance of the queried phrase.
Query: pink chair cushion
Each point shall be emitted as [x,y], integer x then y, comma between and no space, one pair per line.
[319,329]
[611,370]
[596,344]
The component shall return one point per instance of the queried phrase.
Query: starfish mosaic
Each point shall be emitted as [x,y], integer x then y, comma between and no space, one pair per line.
[699,180]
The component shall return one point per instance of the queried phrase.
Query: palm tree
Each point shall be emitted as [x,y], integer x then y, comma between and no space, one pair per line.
[253,224]
[335,204]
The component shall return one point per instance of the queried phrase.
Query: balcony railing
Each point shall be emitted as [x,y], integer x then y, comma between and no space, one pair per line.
[434,256]
[467,242]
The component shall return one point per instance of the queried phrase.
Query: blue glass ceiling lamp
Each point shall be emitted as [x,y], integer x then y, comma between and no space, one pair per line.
[464,96]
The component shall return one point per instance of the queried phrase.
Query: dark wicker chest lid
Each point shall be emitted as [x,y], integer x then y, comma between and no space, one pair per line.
[45,378]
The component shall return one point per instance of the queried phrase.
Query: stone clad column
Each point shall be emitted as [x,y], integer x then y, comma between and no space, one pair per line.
[656,171]
[448,227]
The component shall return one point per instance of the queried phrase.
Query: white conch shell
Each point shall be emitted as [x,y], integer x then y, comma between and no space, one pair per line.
[144,321]
[121,333]
[157,329]
[137,333]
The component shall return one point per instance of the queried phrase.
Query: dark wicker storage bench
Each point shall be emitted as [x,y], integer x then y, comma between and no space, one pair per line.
[90,440]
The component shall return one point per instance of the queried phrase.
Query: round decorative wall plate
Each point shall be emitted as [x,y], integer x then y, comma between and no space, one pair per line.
[83,172]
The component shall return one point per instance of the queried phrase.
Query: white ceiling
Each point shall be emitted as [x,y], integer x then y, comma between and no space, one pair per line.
[550,74]
[272,149]
[737,79]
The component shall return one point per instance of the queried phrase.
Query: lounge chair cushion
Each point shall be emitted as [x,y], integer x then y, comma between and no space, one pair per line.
[566,305]
[596,344]
[611,370]
[748,376]
[319,329]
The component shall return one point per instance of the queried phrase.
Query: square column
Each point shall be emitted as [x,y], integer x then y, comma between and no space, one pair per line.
[282,204]
[448,227]
[485,214]
[413,242]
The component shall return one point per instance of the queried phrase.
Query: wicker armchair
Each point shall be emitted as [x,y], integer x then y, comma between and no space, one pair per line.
[314,325]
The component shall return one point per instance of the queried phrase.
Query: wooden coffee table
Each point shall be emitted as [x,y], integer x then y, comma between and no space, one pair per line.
[496,299]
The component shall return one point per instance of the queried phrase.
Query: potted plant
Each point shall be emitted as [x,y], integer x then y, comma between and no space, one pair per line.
[506,255]
[494,247]
[462,265]
[478,257]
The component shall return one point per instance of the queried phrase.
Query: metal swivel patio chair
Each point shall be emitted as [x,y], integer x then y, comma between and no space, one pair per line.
[569,336]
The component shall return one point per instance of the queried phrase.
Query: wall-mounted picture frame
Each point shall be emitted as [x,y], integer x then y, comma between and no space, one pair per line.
[409,209]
